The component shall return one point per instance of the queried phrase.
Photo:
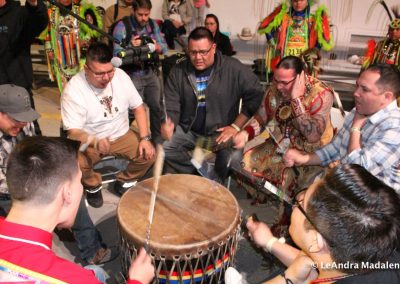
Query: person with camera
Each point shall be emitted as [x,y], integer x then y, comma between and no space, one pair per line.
[135,31]
[94,110]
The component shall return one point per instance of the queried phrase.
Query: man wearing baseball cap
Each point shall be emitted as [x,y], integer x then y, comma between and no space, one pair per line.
[16,123]
[16,116]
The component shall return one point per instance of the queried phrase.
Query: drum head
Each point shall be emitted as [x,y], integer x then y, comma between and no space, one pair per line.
[191,214]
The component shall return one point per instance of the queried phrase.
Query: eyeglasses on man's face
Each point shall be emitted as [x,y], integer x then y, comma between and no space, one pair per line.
[101,74]
[284,83]
[193,53]
[298,203]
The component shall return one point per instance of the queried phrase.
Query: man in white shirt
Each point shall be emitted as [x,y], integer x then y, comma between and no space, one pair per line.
[94,109]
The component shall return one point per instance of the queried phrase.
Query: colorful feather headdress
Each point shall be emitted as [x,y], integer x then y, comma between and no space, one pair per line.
[393,14]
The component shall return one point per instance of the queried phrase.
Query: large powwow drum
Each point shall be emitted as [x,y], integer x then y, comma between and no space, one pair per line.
[194,233]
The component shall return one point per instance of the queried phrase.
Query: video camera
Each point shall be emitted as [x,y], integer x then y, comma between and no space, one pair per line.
[135,55]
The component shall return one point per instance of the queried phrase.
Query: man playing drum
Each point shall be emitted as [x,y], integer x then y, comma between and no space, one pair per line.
[298,108]
[202,97]
[94,109]
[44,180]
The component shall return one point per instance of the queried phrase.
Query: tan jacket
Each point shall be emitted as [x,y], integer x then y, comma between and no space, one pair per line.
[185,11]
[123,11]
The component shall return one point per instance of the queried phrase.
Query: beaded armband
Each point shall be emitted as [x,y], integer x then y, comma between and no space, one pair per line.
[297,106]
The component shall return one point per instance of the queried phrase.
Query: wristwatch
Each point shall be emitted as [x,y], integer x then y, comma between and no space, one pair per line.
[145,138]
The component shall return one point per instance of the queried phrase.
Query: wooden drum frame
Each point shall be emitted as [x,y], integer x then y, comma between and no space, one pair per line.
[195,230]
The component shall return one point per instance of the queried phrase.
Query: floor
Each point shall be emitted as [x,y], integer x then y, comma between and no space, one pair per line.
[249,260]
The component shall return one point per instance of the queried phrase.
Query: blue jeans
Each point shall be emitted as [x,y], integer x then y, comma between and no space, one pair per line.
[171,32]
[177,156]
[99,272]
[149,87]
[5,204]
[86,235]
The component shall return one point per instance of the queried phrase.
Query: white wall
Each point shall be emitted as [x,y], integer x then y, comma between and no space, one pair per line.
[348,16]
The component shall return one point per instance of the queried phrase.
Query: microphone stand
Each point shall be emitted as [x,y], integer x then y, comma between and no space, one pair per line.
[80,19]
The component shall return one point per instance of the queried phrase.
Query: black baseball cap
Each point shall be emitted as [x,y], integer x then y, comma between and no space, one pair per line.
[15,102]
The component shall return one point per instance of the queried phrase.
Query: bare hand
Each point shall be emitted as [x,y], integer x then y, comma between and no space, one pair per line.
[299,86]
[259,232]
[227,133]
[302,269]
[146,149]
[167,129]
[240,139]
[256,126]
[141,268]
[359,120]
[208,4]
[103,146]
[177,24]
[293,157]
[136,41]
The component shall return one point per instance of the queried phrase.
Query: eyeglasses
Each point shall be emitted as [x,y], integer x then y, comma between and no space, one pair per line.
[298,204]
[200,52]
[284,83]
[101,74]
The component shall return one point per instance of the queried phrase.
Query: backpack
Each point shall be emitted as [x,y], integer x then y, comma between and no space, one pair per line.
[128,28]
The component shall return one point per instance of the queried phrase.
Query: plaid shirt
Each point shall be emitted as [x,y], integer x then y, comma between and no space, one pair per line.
[120,34]
[380,151]
[7,143]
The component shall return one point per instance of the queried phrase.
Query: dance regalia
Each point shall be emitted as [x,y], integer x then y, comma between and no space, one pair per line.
[64,37]
[295,33]
[264,162]
[386,51]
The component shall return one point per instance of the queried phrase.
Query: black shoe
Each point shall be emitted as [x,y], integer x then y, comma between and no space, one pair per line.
[94,196]
[120,187]
[104,255]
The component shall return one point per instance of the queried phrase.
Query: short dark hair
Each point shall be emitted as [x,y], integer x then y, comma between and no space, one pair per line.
[39,165]
[292,62]
[359,212]
[200,33]
[389,79]
[99,52]
[145,4]
[215,19]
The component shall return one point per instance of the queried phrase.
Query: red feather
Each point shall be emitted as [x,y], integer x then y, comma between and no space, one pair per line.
[369,53]
[325,26]
[275,62]
[270,17]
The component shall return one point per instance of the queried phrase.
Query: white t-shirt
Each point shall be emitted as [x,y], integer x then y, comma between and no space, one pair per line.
[99,112]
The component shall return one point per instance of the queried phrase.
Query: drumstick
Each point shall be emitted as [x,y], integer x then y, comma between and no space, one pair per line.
[198,159]
[158,166]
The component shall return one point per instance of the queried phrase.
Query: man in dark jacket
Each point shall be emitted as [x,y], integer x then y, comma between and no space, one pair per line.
[18,28]
[202,97]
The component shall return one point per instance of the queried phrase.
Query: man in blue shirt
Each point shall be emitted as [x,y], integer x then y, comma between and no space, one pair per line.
[370,135]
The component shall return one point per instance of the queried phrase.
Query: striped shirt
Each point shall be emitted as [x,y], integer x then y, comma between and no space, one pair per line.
[380,140]
[7,144]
